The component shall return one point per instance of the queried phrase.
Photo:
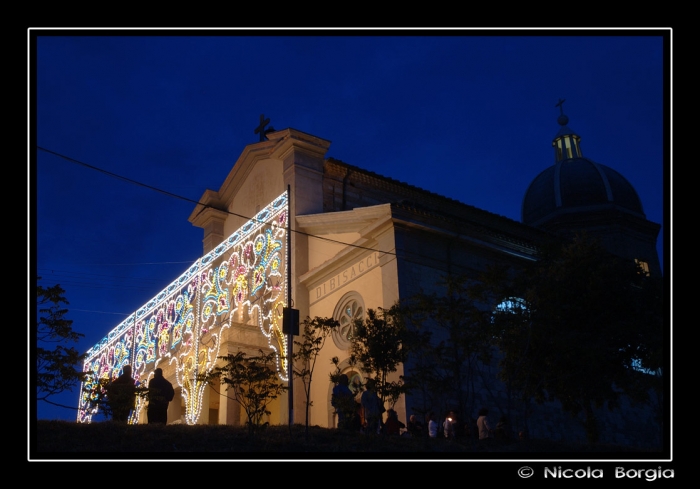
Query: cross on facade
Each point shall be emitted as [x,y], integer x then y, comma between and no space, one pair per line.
[560,104]
[261,128]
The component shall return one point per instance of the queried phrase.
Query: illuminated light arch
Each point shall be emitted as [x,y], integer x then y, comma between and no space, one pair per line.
[183,324]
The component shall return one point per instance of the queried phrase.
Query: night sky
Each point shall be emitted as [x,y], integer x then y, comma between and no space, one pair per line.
[467,114]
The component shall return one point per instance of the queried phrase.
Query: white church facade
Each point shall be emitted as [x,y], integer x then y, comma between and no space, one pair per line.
[359,241]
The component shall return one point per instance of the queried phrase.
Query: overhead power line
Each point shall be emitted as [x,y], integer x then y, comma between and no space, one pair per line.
[248,218]
[206,206]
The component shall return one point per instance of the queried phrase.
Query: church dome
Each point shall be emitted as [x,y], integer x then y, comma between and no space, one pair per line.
[575,185]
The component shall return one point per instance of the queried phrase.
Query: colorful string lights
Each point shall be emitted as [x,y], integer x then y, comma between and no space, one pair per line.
[183,324]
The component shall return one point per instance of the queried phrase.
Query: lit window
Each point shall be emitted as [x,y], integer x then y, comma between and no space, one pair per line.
[506,310]
[349,309]
[512,305]
[643,266]
[639,367]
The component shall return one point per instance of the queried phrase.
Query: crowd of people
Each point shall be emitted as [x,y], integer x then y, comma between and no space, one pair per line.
[452,428]
[367,416]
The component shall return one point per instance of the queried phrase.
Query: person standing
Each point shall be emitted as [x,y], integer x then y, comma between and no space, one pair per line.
[372,407]
[343,401]
[450,426]
[121,395]
[502,429]
[432,425]
[415,427]
[482,424]
[160,393]
[392,425]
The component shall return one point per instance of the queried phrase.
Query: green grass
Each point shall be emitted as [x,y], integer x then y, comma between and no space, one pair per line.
[63,439]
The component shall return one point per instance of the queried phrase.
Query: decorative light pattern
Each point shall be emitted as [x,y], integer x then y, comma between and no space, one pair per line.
[183,324]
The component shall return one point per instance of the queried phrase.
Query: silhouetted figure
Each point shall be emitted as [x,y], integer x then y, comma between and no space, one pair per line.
[415,427]
[160,393]
[121,395]
[469,429]
[482,424]
[355,423]
[502,431]
[392,425]
[372,407]
[344,402]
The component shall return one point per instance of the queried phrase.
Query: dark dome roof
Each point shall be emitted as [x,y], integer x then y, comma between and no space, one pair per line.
[577,185]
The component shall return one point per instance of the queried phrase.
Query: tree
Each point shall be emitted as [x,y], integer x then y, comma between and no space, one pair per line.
[380,346]
[57,366]
[586,323]
[252,381]
[509,327]
[316,331]
[451,343]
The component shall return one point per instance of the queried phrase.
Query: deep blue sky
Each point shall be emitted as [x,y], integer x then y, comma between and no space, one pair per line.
[468,116]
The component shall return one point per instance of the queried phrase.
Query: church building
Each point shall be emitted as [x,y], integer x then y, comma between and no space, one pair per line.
[290,223]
